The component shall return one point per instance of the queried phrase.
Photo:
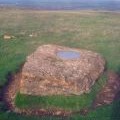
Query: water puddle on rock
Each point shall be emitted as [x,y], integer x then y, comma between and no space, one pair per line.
[68,55]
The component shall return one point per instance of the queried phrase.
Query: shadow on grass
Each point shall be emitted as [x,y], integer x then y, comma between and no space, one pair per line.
[116,104]
[116,109]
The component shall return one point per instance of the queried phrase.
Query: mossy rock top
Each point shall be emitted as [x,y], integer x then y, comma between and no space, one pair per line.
[59,70]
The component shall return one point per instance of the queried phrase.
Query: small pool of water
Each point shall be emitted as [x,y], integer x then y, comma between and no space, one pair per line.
[68,54]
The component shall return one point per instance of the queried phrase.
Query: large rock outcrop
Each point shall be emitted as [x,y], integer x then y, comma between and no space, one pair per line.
[58,70]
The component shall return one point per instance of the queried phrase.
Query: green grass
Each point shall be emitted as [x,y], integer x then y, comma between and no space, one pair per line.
[96,31]
[107,112]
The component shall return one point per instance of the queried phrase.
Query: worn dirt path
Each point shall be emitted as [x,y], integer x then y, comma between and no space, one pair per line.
[106,96]
[110,92]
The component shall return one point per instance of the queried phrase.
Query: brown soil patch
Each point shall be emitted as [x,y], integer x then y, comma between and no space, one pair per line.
[109,92]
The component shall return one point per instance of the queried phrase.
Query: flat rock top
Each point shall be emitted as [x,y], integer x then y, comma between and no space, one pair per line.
[61,69]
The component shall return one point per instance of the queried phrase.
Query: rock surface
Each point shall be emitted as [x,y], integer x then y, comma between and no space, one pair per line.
[47,73]
[8,37]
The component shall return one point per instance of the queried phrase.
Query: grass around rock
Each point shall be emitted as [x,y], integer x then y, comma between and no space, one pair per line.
[58,101]
[96,31]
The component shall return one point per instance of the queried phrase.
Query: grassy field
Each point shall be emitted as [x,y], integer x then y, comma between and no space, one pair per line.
[96,31]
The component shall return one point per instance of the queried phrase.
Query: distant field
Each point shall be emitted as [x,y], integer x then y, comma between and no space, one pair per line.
[96,31]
